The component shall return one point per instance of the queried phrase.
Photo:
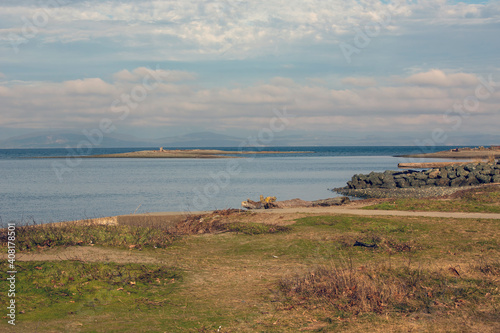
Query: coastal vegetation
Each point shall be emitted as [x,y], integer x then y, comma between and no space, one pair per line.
[229,272]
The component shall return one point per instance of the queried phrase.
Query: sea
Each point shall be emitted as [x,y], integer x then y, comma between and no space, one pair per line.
[42,190]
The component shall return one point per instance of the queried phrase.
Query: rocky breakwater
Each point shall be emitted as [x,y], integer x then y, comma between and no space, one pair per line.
[431,182]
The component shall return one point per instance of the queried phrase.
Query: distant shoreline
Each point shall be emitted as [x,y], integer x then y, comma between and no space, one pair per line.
[183,153]
[461,153]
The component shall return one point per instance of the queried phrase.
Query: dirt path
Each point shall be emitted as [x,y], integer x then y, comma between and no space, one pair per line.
[364,212]
[354,208]
[87,254]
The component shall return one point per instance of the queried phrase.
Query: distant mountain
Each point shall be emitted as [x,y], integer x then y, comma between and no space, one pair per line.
[64,140]
[73,139]
[61,139]
[200,139]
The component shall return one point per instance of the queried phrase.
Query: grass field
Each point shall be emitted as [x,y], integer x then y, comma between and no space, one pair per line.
[228,274]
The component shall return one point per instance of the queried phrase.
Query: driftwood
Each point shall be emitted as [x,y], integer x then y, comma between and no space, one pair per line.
[267,204]
[364,245]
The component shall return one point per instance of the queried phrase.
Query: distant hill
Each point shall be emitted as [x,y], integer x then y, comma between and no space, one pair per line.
[65,139]
[200,139]
[209,139]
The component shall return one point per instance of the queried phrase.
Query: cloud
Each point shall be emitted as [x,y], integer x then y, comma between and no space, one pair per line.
[183,29]
[138,75]
[234,61]
[88,87]
[436,77]
[359,81]
[83,103]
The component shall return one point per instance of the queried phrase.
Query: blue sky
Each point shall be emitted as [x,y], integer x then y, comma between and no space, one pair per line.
[357,67]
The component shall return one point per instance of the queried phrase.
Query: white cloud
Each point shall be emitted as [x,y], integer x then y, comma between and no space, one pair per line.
[301,37]
[88,87]
[138,75]
[234,29]
[436,77]
[83,103]
[360,81]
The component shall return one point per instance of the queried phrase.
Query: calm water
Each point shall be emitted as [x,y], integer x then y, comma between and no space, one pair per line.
[49,190]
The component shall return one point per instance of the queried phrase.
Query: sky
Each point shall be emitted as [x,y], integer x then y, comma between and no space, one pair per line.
[426,70]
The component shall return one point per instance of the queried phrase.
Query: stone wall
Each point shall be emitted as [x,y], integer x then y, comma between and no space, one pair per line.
[452,176]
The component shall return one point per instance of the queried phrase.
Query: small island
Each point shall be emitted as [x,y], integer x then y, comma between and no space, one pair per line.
[188,153]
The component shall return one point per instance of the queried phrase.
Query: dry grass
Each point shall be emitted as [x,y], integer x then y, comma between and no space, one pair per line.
[157,235]
[382,290]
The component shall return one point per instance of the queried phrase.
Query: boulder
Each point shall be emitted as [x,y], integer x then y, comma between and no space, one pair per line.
[431,182]
[421,176]
[443,182]
[461,172]
[483,178]
[459,181]
[388,181]
[443,173]
[402,182]
[434,173]
[472,180]
[374,179]
[470,167]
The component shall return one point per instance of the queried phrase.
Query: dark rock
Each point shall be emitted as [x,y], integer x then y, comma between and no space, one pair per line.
[472,180]
[443,182]
[388,181]
[431,182]
[488,170]
[374,179]
[421,176]
[459,181]
[452,174]
[470,167]
[434,173]
[483,178]
[402,182]
[418,183]
[461,172]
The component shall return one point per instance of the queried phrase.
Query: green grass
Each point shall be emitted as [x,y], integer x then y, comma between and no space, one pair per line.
[250,228]
[61,289]
[484,200]
[261,278]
